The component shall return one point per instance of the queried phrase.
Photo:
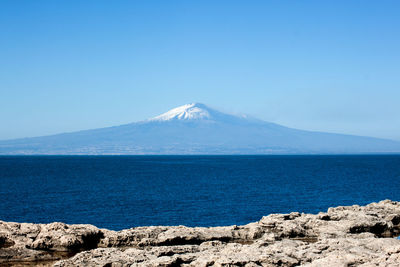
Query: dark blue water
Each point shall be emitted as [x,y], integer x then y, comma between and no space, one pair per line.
[119,192]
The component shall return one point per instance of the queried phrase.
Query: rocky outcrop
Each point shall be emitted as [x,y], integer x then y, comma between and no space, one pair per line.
[342,236]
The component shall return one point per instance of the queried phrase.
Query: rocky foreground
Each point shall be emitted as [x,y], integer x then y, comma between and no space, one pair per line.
[342,236]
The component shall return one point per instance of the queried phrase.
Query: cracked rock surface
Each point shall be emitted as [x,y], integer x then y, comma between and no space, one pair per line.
[342,236]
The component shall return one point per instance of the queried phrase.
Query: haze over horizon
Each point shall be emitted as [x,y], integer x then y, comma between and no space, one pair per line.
[196,129]
[73,65]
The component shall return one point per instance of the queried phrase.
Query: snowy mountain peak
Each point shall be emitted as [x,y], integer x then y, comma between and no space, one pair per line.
[197,129]
[193,111]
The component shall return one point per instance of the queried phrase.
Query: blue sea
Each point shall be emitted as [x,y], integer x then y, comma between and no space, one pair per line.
[118,192]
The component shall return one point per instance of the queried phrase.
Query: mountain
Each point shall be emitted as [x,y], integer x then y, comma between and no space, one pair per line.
[197,129]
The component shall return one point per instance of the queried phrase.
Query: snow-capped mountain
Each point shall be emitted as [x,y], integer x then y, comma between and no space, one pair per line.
[199,112]
[194,111]
[197,129]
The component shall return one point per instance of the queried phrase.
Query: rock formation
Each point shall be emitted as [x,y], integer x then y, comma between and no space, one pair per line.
[342,236]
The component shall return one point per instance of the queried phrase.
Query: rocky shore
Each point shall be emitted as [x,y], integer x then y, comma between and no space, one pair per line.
[342,236]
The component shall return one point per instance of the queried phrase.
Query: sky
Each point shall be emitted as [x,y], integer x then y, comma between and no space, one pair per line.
[329,66]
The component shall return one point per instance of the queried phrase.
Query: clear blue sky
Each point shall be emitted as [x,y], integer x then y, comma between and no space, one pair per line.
[317,65]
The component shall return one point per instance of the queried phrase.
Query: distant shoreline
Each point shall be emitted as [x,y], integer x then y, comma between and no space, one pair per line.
[200,155]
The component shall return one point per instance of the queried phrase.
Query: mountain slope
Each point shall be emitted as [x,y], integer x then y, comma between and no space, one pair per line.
[198,129]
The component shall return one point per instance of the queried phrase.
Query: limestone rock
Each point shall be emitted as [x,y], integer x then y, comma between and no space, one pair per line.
[342,236]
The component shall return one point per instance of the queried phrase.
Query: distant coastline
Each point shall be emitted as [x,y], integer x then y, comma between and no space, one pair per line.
[196,129]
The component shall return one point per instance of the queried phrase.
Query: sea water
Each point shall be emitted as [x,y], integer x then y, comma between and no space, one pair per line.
[118,192]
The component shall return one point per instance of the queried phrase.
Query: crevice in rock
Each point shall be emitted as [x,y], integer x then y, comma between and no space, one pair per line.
[325,217]
[6,242]
[179,241]
[178,262]
[396,220]
[92,241]
[379,229]
[89,241]
[54,257]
